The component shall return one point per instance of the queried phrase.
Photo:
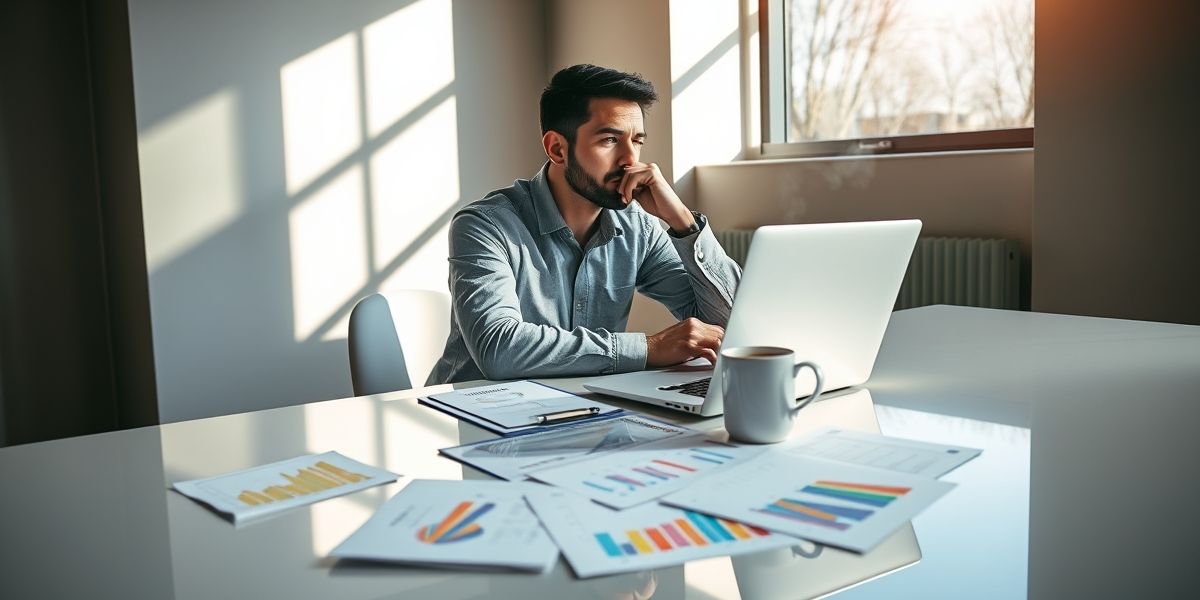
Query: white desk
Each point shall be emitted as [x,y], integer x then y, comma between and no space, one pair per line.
[1104,411]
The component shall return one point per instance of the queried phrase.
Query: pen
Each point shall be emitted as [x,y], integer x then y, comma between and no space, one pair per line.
[566,415]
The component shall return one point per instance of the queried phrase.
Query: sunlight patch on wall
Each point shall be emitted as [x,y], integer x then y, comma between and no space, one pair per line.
[328,251]
[698,26]
[321,118]
[426,268]
[707,117]
[191,177]
[414,181]
[707,110]
[408,57]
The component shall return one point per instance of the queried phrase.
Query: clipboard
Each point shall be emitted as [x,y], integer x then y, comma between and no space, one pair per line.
[519,407]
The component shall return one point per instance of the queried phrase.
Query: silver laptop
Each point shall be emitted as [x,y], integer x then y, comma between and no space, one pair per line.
[824,290]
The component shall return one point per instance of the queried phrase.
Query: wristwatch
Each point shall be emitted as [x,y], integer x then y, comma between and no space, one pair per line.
[695,227]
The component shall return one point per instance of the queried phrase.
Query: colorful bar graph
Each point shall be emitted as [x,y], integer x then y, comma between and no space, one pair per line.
[712,453]
[676,537]
[737,530]
[639,542]
[695,531]
[692,534]
[653,473]
[606,542]
[458,526]
[675,465]
[634,478]
[834,516]
[658,539]
[862,493]
[598,486]
[632,483]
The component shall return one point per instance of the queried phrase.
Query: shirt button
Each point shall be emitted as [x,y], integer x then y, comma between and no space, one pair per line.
[699,256]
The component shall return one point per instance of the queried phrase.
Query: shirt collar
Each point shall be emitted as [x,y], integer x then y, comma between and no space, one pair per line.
[550,219]
[544,208]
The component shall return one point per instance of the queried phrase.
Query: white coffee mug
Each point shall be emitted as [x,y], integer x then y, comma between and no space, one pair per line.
[758,383]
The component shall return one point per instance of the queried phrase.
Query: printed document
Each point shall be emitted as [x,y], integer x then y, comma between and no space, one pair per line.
[484,524]
[834,503]
[882,452]
[598,541]
[259,492]
[514,457]
[646,472]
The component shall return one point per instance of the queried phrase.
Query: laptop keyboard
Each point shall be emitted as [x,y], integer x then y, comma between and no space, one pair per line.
[698,388]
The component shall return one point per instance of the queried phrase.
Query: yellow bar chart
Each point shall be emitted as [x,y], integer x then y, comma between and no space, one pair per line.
[316,478]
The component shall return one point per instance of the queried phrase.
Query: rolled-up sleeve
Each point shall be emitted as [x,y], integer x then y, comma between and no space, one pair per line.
[499,339]
[692,276]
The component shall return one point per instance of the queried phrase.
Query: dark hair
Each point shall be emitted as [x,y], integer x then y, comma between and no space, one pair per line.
[565,101]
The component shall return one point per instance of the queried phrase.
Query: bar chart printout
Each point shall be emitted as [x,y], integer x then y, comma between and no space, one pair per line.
[840,516]
[646,472]
[458,523]
[833,503]
[262,491]
[599,541]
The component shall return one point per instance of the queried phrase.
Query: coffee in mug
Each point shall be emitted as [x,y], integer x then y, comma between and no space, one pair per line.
[757,383]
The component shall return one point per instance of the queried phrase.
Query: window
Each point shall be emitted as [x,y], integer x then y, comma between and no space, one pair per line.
[890,76]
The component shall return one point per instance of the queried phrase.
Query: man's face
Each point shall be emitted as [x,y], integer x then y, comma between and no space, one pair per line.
[610,141]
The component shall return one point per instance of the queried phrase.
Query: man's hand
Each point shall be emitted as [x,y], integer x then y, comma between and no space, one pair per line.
[645,183]
[684,341]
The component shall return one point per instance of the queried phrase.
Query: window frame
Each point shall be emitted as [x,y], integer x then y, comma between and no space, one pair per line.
[775,95]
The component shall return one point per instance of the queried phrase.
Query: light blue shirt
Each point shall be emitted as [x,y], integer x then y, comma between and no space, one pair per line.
[529,302]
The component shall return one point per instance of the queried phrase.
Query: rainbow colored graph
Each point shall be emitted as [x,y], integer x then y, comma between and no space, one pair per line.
[834,516]
[458,526]
[695,531]
[658,469]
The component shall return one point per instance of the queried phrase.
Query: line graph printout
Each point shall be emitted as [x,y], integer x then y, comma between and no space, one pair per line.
[882,452]
[260,492]
[455,523]
[599,541]
[513,458]
[644,473]
[833,503]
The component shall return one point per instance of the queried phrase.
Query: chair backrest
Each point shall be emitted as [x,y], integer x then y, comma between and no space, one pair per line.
[395,339]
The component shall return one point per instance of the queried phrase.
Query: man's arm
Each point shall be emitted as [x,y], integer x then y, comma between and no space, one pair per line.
[488,312]
[687,271]
[692,276]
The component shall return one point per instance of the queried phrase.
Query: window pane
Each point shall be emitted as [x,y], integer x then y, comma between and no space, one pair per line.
[876,68]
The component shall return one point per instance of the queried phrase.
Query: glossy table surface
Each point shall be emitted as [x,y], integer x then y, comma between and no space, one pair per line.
[1084,488]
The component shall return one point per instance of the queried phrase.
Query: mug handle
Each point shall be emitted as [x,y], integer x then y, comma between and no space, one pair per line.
[817,390]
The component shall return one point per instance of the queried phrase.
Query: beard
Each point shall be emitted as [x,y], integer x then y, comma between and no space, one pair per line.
[585,185]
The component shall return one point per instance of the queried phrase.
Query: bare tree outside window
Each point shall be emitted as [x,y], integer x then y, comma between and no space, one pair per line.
[876,68]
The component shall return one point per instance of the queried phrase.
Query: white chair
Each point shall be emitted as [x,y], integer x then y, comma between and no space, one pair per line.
[395,339]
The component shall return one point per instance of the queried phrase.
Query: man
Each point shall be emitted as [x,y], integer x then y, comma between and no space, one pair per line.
[543,273]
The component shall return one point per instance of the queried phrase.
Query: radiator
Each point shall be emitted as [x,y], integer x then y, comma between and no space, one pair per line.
[962,271]
[943,270]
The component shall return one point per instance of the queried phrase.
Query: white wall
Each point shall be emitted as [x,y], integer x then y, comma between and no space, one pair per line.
[297,155]
[596,33]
